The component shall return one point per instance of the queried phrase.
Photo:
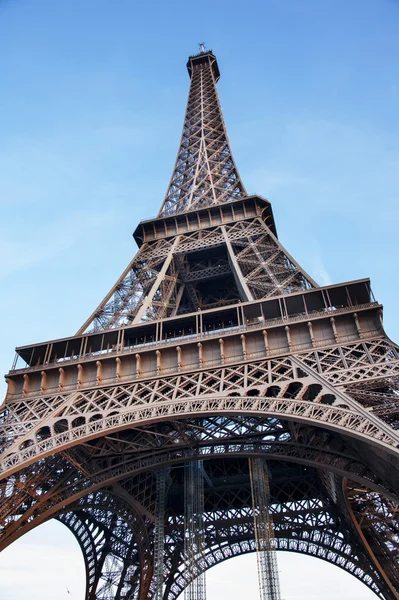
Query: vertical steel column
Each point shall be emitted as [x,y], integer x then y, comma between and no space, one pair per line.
[159,537]
[194,542]
[269,583]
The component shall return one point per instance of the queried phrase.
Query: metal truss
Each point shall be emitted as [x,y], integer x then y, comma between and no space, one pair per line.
[380,396]
[115,545]
[366,364]
[159,278]
[311,525]
[159,534]
[109,577]
[151,274]
[205,172]
[194,542]
[266,267]
[376,519]
[305,521]
[219,428]
[217,436]
[286,386]
[269,582]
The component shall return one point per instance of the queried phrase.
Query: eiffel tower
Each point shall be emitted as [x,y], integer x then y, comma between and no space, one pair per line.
[213,351]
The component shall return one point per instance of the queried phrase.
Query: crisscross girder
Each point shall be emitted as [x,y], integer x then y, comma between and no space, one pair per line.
[205,172]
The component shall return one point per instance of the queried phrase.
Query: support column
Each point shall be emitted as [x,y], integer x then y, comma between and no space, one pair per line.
[159,537]
[194,543]
[235,267]
[269,583]
[148,299]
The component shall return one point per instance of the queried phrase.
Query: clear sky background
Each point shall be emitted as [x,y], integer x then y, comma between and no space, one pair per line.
[92,98]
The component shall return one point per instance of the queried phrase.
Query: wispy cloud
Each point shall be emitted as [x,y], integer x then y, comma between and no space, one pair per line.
[50,240]
[317,266]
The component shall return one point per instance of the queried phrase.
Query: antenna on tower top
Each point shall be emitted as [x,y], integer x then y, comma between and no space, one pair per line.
[201,46]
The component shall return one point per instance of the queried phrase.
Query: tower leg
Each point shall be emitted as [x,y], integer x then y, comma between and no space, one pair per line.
[112,565]
[115,546]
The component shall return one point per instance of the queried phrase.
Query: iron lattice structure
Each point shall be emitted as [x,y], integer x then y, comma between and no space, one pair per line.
[269,584]
[214,348]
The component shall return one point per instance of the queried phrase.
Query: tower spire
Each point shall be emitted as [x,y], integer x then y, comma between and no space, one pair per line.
[205,172]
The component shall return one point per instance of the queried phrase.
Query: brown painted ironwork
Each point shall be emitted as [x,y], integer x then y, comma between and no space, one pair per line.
[214,348]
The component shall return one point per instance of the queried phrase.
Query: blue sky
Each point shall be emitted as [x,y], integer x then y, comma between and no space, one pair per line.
[92,100]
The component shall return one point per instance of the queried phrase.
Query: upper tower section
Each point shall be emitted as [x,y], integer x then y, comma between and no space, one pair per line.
[201,58]
[205,172]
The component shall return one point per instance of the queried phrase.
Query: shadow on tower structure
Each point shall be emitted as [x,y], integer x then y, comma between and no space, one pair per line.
[213,347]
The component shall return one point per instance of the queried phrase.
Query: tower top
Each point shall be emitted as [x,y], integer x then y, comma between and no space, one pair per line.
[202,58]
[204,172]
